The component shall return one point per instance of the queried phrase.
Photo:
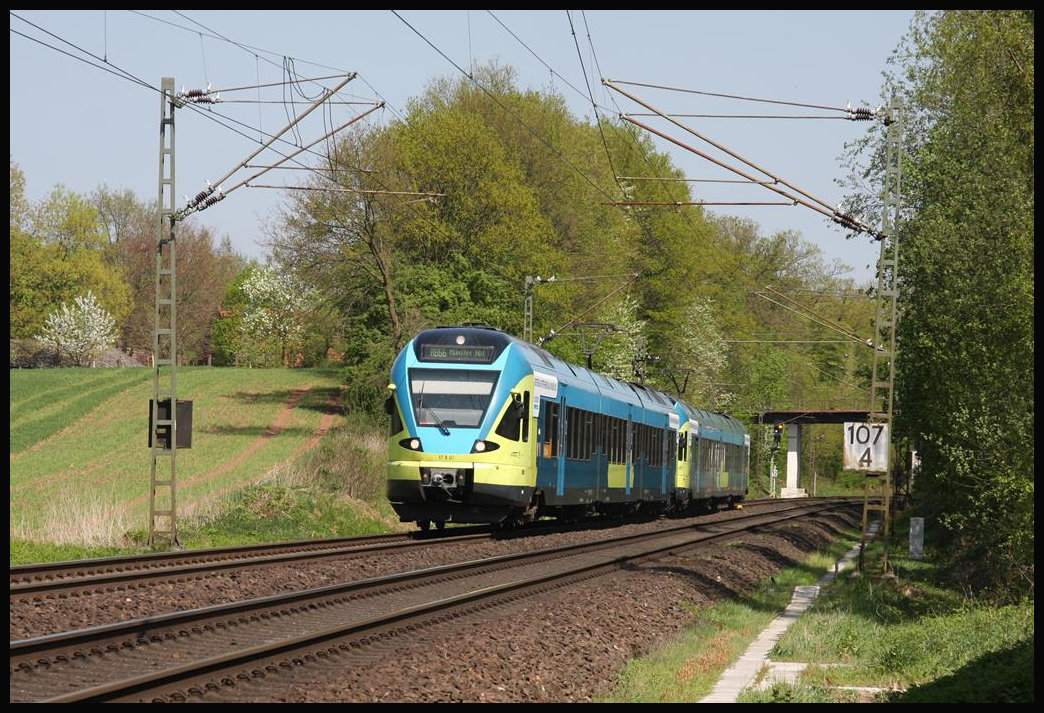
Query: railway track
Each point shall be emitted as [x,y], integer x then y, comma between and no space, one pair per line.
[54,579]
[187,655]
[43,580]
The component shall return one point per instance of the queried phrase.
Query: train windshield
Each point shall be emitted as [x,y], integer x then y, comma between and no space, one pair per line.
[451,398]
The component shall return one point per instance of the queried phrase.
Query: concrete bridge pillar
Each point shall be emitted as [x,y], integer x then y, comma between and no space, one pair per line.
[793,464]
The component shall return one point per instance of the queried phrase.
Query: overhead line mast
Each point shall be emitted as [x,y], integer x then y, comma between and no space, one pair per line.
[164,439]
[164,341]
[877,490]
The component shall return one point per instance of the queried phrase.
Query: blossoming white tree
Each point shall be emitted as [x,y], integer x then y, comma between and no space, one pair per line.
[80,332]
[273,320]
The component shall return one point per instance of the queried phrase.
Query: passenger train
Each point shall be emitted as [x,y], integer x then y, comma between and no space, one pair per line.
[487,428]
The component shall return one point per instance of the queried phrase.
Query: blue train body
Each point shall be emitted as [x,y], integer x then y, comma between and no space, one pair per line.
[488,428]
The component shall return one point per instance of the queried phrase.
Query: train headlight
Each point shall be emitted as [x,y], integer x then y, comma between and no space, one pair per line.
[484,446]
[411,444]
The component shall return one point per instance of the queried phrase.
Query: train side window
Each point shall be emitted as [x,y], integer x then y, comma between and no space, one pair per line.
[570,436]
[589,431]
[617,440]
[509,426]
[395,424]
[551,427]
[526,416]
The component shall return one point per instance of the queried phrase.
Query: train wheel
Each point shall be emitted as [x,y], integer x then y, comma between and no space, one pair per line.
[424,524]
[440,524]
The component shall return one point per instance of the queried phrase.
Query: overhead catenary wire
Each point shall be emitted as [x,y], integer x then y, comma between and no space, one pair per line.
[836,326]
[840,381]
[555,332]
[589,278]
[278,84]
[519,120]
[734,96]
[536,134]
[538,57]
[635,146]
[827,209]
[254,50]
[124,74]
[693,180]
[637,204]
[349,190]
[771,186]
[285,158]
[850,335]
[216,185]
[292,102]
[313,169]
[210,114]
[105,66]
[745,116]
[601,133]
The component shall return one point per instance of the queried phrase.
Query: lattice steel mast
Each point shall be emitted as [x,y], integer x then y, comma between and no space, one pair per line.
[877,491]
[163,426]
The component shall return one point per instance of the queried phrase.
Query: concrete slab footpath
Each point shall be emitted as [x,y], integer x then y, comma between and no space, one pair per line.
[742,673]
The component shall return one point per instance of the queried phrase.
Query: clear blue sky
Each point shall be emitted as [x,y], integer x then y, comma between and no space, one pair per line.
[83,127]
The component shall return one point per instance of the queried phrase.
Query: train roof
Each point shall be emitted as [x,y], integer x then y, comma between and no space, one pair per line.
[721,422]
[540,360]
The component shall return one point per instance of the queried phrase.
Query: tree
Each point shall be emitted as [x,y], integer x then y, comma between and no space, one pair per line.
[79,332]
[43,277]
[19,204]
[273,317]
[68,220]
[204,273]
[964,391]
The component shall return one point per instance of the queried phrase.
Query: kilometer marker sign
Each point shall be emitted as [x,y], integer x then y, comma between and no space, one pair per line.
[866,446]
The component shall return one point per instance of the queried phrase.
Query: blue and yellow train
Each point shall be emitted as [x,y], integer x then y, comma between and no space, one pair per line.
[486,428]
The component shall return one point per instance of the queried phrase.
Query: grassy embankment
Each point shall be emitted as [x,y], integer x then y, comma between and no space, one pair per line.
[902,638]
[273,457]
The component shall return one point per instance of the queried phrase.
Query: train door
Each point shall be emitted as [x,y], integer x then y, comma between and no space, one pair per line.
[600,458]
[668,438]
[549,444]
[563,436]
[629,450]
[694,463]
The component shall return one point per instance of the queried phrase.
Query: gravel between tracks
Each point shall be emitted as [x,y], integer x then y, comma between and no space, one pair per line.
[562,647]
[31,617]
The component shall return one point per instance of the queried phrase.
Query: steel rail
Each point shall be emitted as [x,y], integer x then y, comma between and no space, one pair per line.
[60,576]
[64,646]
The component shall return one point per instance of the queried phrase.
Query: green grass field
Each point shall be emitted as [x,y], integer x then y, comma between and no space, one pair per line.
[80,463]
[905,638]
